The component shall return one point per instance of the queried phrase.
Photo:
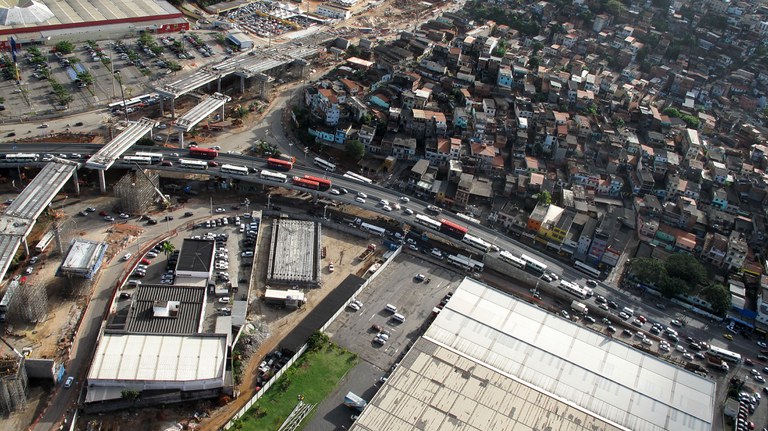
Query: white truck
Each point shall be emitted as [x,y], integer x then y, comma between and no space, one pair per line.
[579,307]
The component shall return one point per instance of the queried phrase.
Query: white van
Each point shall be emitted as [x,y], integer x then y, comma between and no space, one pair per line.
[391,308]
[398,317]
[134,283]
[628,310]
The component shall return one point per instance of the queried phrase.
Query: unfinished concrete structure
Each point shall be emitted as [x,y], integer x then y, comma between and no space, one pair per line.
[29,304]
[136,191]
[13,379]
[294,256]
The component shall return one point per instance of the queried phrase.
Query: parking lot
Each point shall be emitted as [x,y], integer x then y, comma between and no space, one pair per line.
[267,19]
[414,299]
[141,65]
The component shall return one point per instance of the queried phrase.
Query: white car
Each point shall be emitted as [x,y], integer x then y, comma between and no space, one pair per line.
[408,211]
[362,195]
[404,199]
[384,202]
[69,382]
[353,306]
[334,192]
[127,256]
[680,349]
[224,300]
[124,216]
[220,210]
[360,200]
[29,270]
[386,208]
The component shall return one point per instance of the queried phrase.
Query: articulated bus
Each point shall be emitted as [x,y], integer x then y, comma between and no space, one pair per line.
[428,222]
[193,164]
[353,176]
[477,243]
[154,157]
[233,169]
[203,153]
[533,264]
[137,160]
[466,263]
[512,259]
[21,157]
[273,176]
[324,185]
[724,354]
[587,269]
[303,182]
[452,229]
[282,165]
[574,289]
[328,166]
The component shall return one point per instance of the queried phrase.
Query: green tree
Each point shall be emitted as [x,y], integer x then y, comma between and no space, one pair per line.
[86,78]
[545,197]
[128,394]
[691,121]
[719,297]
[145,142]
[672,112]
[686,268]
[168,247]
[647,270]
[173,66]
[673,286]
[317,340]
[354,149]
[65,47]
[533,63]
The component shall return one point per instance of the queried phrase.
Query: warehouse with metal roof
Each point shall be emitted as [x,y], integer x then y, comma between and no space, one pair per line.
[492,362]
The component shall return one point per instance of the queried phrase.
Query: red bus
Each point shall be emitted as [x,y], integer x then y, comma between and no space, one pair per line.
[203,153]
[452,229]
[303,182]
[325,185]
[282,165]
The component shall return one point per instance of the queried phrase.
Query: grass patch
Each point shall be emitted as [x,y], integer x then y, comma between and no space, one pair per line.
[314,376]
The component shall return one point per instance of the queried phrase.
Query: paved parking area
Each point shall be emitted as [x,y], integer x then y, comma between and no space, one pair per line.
[34,94]
[397,286]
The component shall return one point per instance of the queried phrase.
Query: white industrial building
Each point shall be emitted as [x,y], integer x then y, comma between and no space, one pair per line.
[240,40]
[334,12]
[492,362]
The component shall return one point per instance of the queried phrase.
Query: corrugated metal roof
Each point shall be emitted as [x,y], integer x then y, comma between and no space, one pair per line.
[82,11]
[141,317]
[148,357]
[564,375]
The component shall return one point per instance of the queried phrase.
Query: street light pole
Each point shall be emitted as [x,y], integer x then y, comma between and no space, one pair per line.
[122,94]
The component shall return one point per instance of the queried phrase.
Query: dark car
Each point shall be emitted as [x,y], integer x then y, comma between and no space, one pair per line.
[613,305]
[152,221]
[212,164]
[168,218]
[188,214]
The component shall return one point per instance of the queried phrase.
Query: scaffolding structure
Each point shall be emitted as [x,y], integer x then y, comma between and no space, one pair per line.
[13,380]
[29,303]
[136,191]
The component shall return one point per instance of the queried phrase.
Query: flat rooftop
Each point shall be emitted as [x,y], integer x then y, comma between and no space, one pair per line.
[196,255]
[150,312]
[492,362]
[294,253]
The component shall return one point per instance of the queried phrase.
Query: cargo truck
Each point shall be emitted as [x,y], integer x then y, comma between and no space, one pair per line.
[579,307]
[718,363]
[367,253]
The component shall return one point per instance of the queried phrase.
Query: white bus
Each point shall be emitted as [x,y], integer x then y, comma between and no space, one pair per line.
[273,176]
[155,157]
[468,218]
[595,273]
[44,242]
[373,229]
[428,222]
[534,264]
[466,263]
[21,157]
[512,259]
[573,289]
[233,169]
[138,160]
[193,164]
[477,243]
[724,354]
[353,176]
[328,166]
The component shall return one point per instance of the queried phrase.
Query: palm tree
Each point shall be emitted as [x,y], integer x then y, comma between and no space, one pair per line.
[168,248]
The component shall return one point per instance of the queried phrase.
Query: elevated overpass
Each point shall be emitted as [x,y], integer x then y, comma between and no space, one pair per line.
[109,153]
[203,109]
[19,218]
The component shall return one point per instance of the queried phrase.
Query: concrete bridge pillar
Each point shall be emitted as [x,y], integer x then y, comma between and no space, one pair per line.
[77,183]
[102,182]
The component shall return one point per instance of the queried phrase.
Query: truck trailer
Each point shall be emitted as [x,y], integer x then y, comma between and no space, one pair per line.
[579,307]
